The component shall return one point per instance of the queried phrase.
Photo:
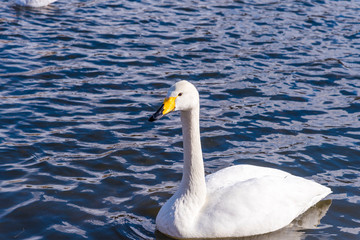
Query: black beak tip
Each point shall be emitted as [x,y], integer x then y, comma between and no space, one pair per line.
[157,115]
[152,119]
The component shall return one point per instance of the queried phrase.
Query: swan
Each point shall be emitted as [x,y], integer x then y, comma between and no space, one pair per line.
[34,3]
[237,201]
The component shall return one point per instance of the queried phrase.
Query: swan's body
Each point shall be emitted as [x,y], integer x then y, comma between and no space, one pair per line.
[34,3]
[237,201]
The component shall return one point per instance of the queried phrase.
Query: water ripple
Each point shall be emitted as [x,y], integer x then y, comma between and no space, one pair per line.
[279,87]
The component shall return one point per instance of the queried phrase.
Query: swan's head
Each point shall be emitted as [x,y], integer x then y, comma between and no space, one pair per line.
[182,96]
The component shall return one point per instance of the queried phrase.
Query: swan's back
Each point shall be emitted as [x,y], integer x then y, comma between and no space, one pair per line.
[247,200]
[239,173]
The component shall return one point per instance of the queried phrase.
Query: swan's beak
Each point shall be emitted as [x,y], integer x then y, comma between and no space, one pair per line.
[167,107]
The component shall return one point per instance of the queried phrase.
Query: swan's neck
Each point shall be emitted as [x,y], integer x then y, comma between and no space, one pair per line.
[179,215]
[193,180]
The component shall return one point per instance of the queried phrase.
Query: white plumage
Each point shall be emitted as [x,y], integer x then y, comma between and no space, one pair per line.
[34,3]
[237,201]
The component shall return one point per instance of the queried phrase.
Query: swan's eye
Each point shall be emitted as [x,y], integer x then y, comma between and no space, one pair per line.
[180,94]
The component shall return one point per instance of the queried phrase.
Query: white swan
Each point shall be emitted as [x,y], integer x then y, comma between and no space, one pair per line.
[237,201]
[34,3]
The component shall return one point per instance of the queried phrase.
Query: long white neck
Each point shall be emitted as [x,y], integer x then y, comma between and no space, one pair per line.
[179,215]
[193,179]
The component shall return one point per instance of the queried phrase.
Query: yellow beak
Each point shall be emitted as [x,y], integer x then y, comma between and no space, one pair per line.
[167,106]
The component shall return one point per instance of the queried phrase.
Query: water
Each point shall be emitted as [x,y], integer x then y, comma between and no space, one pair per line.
[279,86]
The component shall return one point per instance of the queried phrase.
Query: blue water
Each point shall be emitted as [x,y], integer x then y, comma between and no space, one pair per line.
[279,83]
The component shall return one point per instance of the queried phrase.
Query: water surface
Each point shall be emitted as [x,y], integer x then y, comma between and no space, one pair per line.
[279,87]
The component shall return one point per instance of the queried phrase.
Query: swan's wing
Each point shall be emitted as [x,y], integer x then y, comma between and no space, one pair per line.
[257,205]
